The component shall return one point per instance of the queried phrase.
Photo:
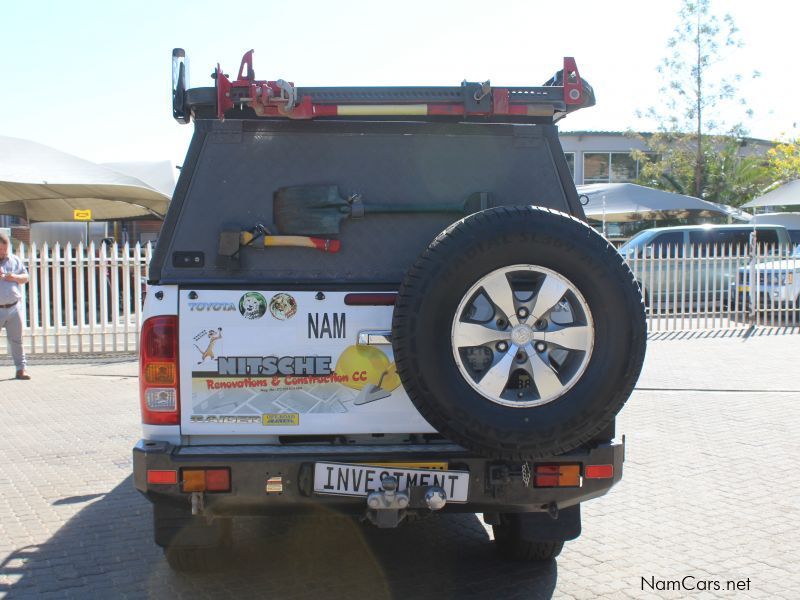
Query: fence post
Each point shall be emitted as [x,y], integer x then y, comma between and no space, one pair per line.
[33,298]
[102,274]
[24,299]
[92,275]
[58,298]
[115,296]
[69,295]
[126,292]
[80,269]
[137,290]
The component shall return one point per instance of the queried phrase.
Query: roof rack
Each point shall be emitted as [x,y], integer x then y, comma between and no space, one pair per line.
[247,97]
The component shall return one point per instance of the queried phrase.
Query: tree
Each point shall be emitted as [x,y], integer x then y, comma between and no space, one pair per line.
[784,160]
[693,88]
[729,175]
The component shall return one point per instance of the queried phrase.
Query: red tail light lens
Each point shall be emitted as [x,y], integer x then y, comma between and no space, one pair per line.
[599,471]
[162,477]
[218,480]
[158,371]
[369,299]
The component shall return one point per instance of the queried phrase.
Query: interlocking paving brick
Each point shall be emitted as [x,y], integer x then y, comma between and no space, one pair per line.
[710,490]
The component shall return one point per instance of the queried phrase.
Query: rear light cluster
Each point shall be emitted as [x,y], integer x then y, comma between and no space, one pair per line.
[568,474]
[193,480]
[158,371]
[206,480]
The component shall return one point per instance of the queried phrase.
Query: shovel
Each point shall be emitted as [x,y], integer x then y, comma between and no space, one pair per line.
[320,209]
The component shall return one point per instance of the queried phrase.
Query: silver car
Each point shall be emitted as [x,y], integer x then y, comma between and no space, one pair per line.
[695,265]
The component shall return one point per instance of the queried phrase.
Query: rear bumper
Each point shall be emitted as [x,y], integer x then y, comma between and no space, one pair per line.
[495,485]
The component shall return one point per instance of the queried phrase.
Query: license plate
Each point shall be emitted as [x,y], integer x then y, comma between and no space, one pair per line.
[360,480]
[743,289]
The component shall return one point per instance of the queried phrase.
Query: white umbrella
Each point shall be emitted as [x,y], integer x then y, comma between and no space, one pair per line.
[786,195]
[625,202]
[159,175]
[40,183]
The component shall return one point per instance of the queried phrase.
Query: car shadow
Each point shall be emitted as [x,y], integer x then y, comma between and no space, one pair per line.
[106,549]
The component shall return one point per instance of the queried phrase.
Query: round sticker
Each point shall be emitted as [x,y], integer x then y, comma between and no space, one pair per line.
[282,306]
[252,305]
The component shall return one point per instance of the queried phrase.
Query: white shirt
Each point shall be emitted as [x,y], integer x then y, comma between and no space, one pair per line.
[10,290]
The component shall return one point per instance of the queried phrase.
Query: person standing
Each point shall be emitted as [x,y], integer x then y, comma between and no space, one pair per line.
[12,275]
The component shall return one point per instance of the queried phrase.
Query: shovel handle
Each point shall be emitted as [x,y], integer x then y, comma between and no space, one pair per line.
[414,208]
[295,241]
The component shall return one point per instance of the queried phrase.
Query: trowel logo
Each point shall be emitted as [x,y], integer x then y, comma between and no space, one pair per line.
[252,305]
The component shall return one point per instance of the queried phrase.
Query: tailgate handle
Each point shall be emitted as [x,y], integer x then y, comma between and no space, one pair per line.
[374,337]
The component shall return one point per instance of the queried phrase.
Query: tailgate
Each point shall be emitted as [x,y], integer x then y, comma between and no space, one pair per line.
[287,363]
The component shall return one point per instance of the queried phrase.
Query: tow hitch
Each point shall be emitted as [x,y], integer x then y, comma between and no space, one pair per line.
[387,508]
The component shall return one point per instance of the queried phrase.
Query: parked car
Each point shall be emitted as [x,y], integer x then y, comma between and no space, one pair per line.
[694,265]
[778,283]
[790,220]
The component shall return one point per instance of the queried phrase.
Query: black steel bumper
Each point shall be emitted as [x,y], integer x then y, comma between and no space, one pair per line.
[495,485]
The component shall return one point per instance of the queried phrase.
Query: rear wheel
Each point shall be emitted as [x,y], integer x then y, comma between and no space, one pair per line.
[191,543]
[512,544]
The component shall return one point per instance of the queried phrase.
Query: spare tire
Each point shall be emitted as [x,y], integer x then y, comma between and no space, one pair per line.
[519,333]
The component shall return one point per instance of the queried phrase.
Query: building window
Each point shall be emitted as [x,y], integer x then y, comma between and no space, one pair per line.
[595,167]
[609,167]
[570,156]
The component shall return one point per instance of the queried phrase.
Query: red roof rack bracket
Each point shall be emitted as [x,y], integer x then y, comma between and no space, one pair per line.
[573,84]
[565,92]
[223,85]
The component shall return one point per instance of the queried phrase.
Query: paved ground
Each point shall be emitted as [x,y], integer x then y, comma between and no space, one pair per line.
[710,491]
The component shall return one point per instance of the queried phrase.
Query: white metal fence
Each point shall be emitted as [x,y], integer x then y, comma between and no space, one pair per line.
[83,299]
[718,286]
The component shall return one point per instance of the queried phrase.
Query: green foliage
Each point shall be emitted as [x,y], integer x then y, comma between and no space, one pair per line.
[784,160]
[727,174]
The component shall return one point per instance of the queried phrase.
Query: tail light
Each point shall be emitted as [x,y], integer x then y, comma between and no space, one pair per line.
[371,299]
[557,475]
[160,477]
[158,371]
[206,480]
[599,471]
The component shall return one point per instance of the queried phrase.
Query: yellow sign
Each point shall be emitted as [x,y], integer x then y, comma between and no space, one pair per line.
[280,419]
[82,215]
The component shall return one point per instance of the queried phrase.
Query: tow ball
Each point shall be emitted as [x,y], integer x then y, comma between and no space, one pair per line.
[387,508]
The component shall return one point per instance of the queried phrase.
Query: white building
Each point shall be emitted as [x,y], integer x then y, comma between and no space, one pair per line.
[605,156]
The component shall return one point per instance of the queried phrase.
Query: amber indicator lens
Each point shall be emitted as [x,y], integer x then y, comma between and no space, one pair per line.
[193,480]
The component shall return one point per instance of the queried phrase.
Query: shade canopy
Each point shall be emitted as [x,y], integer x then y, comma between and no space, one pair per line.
[159,175]
[628,202]
[39,183]
[786,195]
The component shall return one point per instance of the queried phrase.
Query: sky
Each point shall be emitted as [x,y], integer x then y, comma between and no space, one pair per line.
[93,77]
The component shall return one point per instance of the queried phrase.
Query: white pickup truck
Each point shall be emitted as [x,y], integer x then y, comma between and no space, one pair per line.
[381,302]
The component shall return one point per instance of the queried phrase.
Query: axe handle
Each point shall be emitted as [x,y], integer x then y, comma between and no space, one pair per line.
[297,241]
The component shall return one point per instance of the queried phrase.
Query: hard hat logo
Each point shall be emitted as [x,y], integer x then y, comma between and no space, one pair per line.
[367,365]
